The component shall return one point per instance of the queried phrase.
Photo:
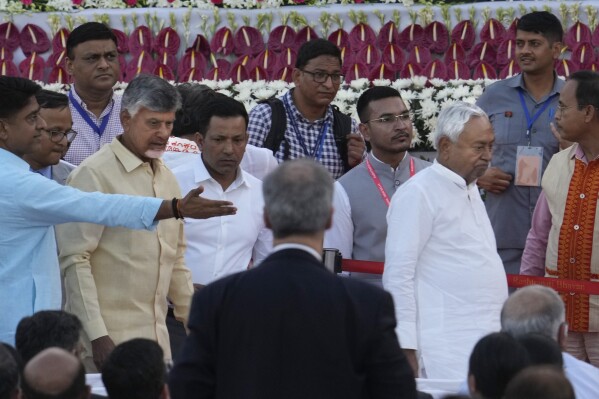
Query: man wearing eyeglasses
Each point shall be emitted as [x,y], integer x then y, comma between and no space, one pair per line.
[312,127]
[54,142]
[363,194]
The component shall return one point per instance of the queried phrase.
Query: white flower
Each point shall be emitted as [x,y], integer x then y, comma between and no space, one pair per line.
[437,82]
[359,84]
[224,84]
[409,95]
[381,82]
[264,93]
[427,93]
[226,92]
[278,85]
[460,91]
[401,84]
[477,90]
[213,84]
[419,81]
[243,95]
[429,108]
[443,93]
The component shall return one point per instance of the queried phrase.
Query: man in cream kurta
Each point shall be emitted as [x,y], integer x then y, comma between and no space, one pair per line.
[116,280]
[442,266]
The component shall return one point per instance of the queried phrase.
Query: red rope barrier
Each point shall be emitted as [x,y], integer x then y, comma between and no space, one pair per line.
[514,280]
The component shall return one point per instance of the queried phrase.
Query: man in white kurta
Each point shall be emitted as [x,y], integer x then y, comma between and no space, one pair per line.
[442,266]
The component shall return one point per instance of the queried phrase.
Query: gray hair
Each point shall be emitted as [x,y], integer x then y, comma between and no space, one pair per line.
[152,93]
[533,309]
[298,198]
[453,118]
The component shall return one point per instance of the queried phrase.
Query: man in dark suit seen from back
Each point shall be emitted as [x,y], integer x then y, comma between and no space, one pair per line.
[289,328]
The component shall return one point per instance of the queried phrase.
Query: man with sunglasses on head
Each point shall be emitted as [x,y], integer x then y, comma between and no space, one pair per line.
[303,123]
[363,194]
[46,159]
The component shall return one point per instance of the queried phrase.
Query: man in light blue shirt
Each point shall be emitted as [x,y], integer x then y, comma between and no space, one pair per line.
[31,204]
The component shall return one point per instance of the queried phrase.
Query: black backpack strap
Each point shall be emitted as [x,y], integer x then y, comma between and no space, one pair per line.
[341,128]
[278,124]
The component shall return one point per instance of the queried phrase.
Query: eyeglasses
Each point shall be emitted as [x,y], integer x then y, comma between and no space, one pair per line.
[562,108]
[404,117]
[321,77]
[56,136]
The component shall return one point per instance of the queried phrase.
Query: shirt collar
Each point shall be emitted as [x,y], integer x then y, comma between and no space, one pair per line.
[46,171]
[577,152]
[201,174]
[303,247]
[518,82]
[454,177]
[298,115]
[129,160]
[84,105]
[403,161]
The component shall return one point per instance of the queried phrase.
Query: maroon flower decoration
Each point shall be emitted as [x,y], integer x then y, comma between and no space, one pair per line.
[281,37]
[32,67]
[388,34]
[239,73]
[59,75]
[164,72]
[248,41]
[347,58]
[288,57]
[167,59]
[305,35]
[411,36]
[223,65]
[141,63]
[167,41]
[140,40]
[484,70]
[565,68]
[200,45]
[192,60]
[457,70]
[482,52]
[435,69]
[268,61]
[6,54]
[506,52]
[58,59]
[436,37]
[122,41]
[222,42]
[510,33]
[190,75]
[455,52]
[410,70]
[595,37]
[464,34]
[258,73]
[361,36]
[369,55]
[9,36]
[357,71]
[420,56]
[59,41]
[583,55]
[339,38]
[393,56]
[34,40]
[8,68]
[578,33]
[382,71]
[511,69]
[493,32]
[284,74]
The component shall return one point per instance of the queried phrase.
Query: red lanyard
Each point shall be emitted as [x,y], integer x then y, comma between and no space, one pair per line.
[377,181]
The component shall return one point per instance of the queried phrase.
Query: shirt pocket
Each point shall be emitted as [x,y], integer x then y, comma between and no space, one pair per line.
[506,128]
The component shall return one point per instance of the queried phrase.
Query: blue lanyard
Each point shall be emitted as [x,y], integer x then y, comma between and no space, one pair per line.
[98,129]
[319,141]
[531,120]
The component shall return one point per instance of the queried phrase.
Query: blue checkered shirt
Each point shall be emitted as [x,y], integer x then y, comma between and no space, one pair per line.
[259,126]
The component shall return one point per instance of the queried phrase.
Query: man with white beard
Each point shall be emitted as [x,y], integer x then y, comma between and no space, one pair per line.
[116,280]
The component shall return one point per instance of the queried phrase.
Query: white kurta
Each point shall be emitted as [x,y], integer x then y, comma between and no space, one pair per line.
[443,270]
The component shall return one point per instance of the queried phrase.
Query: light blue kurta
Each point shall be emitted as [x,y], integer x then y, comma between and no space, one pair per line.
[30,205]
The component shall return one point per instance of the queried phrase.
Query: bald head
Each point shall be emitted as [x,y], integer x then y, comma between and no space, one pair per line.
[533,309]
[54,372]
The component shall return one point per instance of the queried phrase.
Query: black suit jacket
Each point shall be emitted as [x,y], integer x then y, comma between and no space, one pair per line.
[291,329]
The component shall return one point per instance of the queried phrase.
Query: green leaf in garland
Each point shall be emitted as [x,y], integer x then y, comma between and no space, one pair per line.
[54,23]
[125,24]
[446,15]
[172,20]
[413,16]
[353,17]
[574,12]
[426,14]
[591,16]
[522,9]
[231,21]
[338,20]
[325,23]
[68,19]
[563,14]
[486,13]
[473,19]
[380,15]
[457,12]
[396,17]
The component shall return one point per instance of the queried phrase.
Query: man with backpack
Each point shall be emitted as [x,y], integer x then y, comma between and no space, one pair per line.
[303,123]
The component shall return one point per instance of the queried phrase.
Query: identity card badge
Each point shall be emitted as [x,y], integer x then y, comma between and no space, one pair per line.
[529,161]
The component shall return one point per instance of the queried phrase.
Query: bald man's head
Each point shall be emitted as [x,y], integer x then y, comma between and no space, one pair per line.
[54,373]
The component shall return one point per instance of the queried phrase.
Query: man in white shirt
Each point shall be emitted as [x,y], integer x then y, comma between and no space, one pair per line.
[441,261]
[363,194]
[540,310]
[219,246]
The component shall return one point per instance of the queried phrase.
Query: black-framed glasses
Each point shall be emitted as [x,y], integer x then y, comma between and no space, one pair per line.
[56,136]
[404,117]
[321,77]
